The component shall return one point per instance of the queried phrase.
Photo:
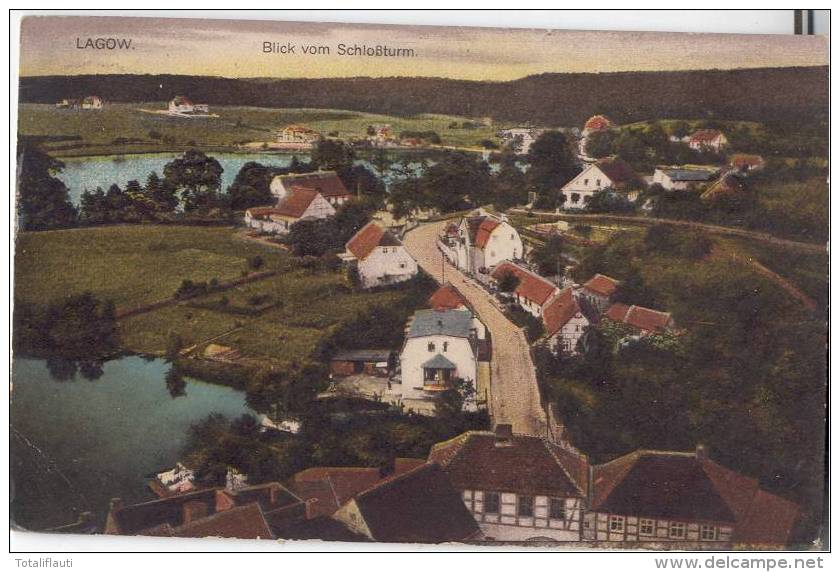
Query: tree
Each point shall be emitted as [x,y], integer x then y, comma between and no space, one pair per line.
[351,217]
[176,385]
[457,181]
[509,184]
[507,281]
[600,144]
[549,257]
[633,290]
[553,164]
[450,403]
[197,177]
[251,187]
[607,201]
[44,199]
[163,196]
[332,155]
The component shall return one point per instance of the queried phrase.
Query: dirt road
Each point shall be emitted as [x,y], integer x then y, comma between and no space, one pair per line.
[514,394]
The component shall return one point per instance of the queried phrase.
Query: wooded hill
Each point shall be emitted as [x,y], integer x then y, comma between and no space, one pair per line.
[796,94]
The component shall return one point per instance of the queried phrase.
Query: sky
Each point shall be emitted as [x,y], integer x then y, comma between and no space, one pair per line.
[49,46]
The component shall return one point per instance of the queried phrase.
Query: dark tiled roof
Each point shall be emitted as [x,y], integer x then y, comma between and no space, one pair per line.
[526,465]
[418,506]
[617,170]
[327,183]
[320,528]
[241,522]
[346,482]
[689,175]
[439,362]
[363,355]
[133,519]
[455,323]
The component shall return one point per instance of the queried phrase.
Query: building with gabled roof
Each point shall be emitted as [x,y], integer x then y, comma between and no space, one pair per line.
[744,162]
[599,291]
[520,139]
[326,183]
[299,136]
[448,297]
[517,487]
[565,322]
[666,496]
[420,505]
[608,174]
[708,140]
[481,241]
[643,320]
[297,204]
[533,292]
[379,257]
[682,178]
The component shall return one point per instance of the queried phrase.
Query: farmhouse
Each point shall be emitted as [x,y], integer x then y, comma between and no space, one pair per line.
[325,183]
[643,320]
[182,105]
[533,292]
[420,505]
[708,140]
[745,163]
[298,134]
[658,496]
[517,487]
[481,241]
[520,139]
[379,257]
[605,174]
[297,204]
[682,178]
[599,291]
[565,322]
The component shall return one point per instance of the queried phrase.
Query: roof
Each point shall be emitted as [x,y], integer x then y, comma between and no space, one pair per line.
[376,355]
[726,185]
[691,487]
[181,100]
[744,160]
[522,464]
[328,183]
[559,311]
[448,297]
[319,528]
[704,136]
[295,203]
[689,175]
[439,362]
[369,237]
[345,482]
[241,522]
[172,511]
[618,171]
[531,286]
[640,317]
[485,229]
[601,284]
[418,506]
[597,123]
[455,323]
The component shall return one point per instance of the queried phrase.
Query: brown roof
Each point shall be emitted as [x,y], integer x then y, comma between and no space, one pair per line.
[601,284]
[418,506]
[369,237]
[639,317]
[173,511]
[559,311]
[531,286]
[597,123]
[743,160]
[485,229]
[691,487]
[617,312]
[617,170]
[704,136]
[327,183]
[295,203]
[346,482]
[520,464]
[241,522]
[319,496]
[448,297]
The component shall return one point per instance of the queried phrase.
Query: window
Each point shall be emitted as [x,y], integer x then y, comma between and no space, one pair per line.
[445,346]
[431,346]
[676,530]
[491,503]
[586,182]
[557,509]
[616,524]
[646,527]
[511,237]
[708,532]
[402,264]
[525,506]
[598,184]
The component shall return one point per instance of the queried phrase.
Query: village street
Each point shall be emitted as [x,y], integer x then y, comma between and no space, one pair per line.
[514,394]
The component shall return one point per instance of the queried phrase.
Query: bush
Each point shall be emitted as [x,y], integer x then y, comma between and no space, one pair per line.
[256,262]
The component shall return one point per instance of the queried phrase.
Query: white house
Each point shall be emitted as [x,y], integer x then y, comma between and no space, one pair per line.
[520,139]
[565,322]
[182,105]
[532,293]
[296,205]
[481,241]
[440,346]
[676,497]
[379,257]
[708,140]
[682,178]
[599,291]
[326,183]
[517,487]
[605,174]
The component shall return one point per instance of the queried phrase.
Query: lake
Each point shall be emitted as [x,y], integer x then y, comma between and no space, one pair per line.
[78,440]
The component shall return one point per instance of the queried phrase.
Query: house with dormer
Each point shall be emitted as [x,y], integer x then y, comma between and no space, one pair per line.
[379,257]
[481,241]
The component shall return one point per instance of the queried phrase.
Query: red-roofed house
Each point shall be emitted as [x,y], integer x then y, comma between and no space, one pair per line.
[664,496]
[326,183]
[297,204]
[644,320]
[605,174]
[448,297]
[379,257]
[533,291]
[708,140]
[483,240]
[599,291]
[517,487]
[564,322]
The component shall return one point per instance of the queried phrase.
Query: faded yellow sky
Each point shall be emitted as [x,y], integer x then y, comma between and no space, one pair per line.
[234,49]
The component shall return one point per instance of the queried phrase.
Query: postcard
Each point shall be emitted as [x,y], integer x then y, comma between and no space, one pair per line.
[406,284]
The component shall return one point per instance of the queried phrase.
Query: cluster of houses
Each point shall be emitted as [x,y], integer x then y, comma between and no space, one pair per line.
[486,486]
[89,102]
[297,137]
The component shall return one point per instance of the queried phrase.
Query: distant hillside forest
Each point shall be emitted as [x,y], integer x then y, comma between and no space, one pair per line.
[796,94]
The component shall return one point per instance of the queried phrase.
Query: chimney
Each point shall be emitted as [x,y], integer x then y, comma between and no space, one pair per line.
[700,452]
[504,435]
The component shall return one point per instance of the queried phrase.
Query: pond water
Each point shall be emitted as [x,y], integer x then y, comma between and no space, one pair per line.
[81,437]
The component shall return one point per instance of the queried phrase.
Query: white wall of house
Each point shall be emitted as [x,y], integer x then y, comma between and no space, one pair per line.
[508,524]
[661,177]
[622,528]
[386,265]
[352,517]
[504,244]
[318,208]
[591,180]
[566,338]
[272,225]
[418,351]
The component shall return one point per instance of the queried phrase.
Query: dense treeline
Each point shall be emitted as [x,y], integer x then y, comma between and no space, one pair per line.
[763,94]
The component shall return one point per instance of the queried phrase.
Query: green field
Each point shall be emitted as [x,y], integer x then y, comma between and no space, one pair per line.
[99,129]
[129,265]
